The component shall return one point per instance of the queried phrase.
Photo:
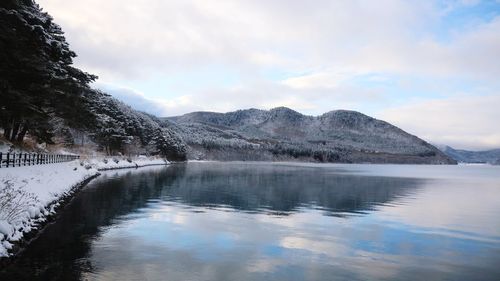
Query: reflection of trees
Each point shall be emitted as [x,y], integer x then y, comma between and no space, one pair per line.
[283,189]
[54,255]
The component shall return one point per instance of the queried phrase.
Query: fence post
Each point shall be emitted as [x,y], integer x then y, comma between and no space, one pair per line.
[28,159]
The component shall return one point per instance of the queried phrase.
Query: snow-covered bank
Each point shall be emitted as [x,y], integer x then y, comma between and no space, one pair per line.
[117,163]
[30,194]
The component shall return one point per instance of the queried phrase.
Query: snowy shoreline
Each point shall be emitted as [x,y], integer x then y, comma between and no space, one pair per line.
[30,196]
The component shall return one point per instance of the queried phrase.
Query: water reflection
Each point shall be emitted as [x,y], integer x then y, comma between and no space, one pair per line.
[227,221]
[281,189]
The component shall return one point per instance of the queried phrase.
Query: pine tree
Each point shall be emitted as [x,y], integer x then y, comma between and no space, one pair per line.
[42,94]
[37,78]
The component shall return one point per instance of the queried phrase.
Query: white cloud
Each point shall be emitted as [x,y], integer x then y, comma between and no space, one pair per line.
[464,122]
[317,80]
[130,39]
[139,101]
[318,50]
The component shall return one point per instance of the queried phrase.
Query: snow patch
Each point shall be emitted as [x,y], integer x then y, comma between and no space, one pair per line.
[102,164]
[29,194]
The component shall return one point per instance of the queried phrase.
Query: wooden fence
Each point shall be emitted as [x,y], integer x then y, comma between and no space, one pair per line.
[29,159]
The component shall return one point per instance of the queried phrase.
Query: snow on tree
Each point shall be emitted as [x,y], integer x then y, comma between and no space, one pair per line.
[43,95]
[37,78]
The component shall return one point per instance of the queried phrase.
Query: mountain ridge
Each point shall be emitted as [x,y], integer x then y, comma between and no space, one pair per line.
[282,133]
[491,156]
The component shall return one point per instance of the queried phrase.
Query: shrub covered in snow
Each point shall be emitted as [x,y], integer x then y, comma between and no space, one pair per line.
[15,201]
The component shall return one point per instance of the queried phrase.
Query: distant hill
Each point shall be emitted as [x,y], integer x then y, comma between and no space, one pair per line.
[284,134]
[466,156]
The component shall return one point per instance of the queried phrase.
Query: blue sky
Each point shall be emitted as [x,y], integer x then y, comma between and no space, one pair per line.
[430,67]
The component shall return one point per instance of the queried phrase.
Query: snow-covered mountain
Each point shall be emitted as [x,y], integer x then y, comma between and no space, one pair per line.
[491,156]
[284,134]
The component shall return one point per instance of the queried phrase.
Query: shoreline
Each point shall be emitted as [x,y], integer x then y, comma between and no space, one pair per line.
[29,229]
[19,246]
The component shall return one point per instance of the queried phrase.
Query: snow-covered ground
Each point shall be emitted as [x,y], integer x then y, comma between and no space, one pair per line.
[118,163]
[31,193]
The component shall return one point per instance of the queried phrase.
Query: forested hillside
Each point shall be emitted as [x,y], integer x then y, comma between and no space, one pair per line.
[45,98]
[284,134]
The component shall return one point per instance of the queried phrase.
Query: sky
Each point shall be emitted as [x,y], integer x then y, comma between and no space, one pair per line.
[429,67]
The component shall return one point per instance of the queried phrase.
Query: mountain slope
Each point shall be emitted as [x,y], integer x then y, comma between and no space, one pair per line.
[284,134]
[44,99]
[466,156]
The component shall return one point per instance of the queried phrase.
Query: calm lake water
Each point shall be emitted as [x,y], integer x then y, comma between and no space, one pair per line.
[275,221]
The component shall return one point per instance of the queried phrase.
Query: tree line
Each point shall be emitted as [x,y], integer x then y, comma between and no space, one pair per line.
[43,95]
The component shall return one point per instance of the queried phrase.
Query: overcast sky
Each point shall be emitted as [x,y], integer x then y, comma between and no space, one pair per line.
[432,68]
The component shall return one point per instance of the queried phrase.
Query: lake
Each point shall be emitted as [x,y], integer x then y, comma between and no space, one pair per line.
[275,221]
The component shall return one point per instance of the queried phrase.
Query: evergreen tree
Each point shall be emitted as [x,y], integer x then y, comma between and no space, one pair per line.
[42,94]
[37,78]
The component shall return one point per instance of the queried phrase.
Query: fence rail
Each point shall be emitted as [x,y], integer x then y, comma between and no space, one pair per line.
[30,159]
